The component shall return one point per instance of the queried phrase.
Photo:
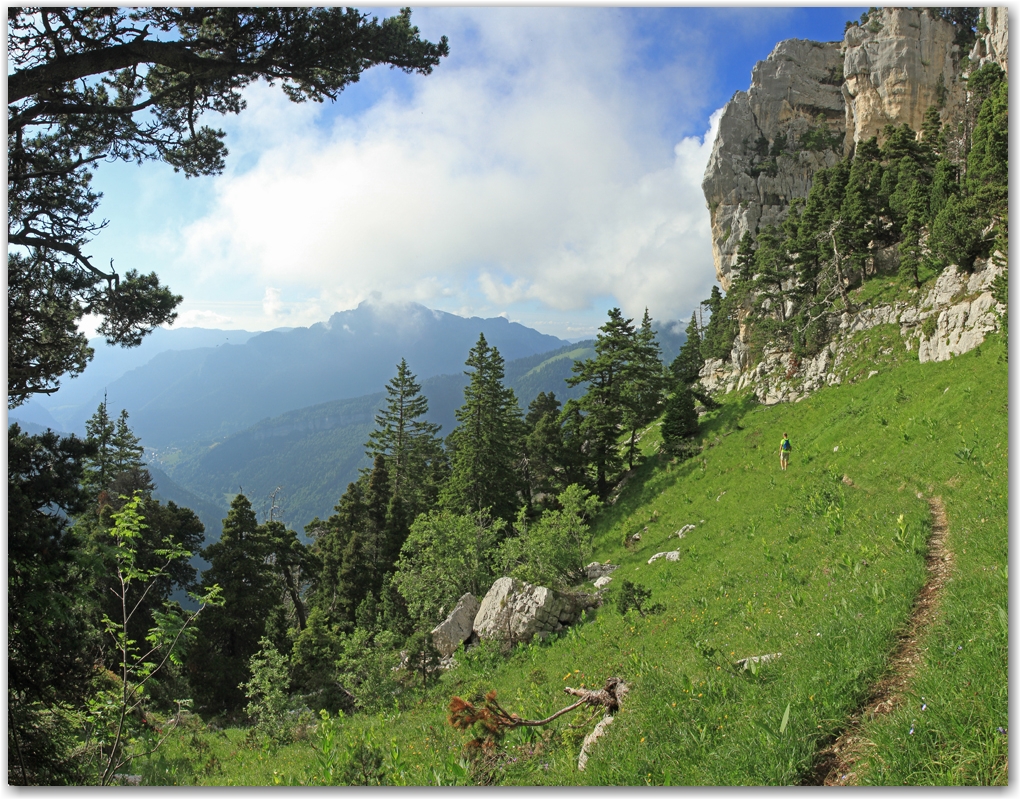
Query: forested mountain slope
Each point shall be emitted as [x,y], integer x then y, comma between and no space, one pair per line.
[201,394]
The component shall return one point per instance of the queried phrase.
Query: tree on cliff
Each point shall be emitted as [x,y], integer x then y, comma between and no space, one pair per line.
[91,84]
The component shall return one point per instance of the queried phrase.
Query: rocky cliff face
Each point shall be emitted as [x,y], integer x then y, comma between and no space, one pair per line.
[811,103]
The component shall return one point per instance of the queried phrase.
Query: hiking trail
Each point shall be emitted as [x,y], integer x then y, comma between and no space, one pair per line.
[837,763]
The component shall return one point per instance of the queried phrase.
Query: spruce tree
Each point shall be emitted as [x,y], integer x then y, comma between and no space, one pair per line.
[332,540]
[687,365]
[409,443]
[643,394]
[99,468]
[602,405]
[229,635]
[486,445]
[680,421]
[543,448]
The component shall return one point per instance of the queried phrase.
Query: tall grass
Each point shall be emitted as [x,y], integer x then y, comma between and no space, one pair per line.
[821,563]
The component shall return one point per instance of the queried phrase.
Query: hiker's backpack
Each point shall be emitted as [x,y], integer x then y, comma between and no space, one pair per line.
[786,445]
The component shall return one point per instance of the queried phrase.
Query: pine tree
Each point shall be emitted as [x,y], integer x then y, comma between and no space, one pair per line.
[486,445]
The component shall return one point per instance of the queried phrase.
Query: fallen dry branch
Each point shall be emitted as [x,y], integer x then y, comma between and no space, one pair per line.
[491,721]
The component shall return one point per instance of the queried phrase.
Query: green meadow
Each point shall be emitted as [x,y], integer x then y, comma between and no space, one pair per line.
[819,566]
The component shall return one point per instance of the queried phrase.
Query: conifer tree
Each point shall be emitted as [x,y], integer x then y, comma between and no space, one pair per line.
[687,365]
[330,549]
[229,635]
[680,421]
[99,469]
[643,394]
[543,448]
[486,445]
[410,444]
[602,405]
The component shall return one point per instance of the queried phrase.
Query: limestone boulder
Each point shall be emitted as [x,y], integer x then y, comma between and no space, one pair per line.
[456,628]
[518,611]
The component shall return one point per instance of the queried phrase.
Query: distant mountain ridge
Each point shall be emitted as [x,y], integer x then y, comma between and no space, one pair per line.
[209,392]
[312,453]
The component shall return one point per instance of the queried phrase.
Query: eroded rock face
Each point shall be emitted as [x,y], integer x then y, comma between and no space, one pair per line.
[895,67]
[811,103]
[993,45]
[752,174]
[516,610]
[456,628]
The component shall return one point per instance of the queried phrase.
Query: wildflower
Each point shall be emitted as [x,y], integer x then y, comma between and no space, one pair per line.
[1000,730]
[911,731]
[924,708]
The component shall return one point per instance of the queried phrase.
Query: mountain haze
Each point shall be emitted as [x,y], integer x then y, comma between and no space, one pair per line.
[203,393]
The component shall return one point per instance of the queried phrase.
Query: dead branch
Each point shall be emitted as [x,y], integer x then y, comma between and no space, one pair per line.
[495,721]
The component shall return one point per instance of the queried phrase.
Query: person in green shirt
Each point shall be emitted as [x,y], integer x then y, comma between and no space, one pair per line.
[784,451]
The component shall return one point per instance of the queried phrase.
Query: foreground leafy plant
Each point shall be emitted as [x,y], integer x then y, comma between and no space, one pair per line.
[117,714]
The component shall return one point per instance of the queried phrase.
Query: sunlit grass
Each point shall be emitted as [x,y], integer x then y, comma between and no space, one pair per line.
[815,563]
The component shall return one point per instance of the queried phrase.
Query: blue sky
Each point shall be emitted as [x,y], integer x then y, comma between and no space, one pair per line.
[548,170]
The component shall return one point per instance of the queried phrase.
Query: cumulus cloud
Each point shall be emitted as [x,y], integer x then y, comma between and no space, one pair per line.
[528,171]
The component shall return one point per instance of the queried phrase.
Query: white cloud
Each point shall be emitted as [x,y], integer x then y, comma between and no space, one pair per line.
[271,304]
[528,174]
[197,318]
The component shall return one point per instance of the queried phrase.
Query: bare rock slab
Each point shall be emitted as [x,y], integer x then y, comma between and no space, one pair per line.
[517,611]
[456,628]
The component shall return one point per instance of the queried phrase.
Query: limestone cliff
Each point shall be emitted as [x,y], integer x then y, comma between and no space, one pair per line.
[810,104]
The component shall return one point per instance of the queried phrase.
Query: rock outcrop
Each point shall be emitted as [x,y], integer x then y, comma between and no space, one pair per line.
[951,318]
[456,628]
[811,103]
[593,571]
[896,66]
[759,162]
[517,611]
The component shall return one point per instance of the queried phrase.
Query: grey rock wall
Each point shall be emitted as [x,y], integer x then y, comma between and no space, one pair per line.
[886,72]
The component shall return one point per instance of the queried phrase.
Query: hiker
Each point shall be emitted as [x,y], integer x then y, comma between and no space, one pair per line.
[784,451]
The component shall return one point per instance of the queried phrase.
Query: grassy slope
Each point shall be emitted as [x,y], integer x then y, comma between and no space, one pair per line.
[797,562]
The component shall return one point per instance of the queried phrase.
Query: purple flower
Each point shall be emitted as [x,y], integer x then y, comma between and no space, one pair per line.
[1000,730]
